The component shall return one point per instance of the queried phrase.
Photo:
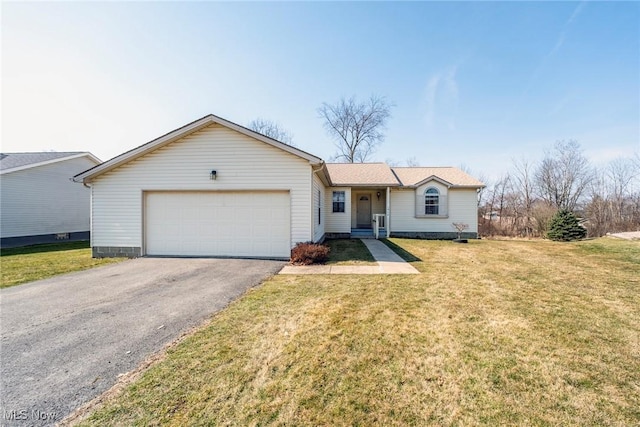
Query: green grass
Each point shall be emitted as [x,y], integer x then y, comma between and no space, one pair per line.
[349,252]
[26,264]
[492,333]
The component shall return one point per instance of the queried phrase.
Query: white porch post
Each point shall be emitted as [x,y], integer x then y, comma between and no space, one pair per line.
[388,213]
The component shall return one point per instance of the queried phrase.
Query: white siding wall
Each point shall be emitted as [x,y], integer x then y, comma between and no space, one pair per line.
[43,199]
[241,162]
[338,222]
[319,218]
[462,208]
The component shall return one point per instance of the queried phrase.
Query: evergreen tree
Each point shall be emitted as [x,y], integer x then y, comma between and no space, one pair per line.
[564,226]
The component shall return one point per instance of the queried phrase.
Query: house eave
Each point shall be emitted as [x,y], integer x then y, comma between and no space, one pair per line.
[359,185]
[414,186]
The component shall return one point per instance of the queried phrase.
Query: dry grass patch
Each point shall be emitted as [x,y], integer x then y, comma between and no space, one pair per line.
[493,333]
[21,265]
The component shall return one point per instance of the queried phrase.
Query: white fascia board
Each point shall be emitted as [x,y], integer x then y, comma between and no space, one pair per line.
[432,178]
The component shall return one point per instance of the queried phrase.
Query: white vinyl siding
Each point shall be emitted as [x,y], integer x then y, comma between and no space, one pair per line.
[462,207]
[241,163]
[319,211]
[338,222]
[219,223]
[44,200]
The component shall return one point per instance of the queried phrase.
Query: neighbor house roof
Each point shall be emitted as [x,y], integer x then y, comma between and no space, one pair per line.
[361,174]
[416,176]
[12,162]
[182,132]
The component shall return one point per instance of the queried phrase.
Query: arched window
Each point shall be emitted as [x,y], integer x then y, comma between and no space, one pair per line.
[431,201]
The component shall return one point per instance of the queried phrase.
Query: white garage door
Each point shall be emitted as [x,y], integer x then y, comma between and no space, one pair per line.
[239,224]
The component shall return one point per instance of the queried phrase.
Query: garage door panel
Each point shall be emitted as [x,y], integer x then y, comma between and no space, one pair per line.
[218,224]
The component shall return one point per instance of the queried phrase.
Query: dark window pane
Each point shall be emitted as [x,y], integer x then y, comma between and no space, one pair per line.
[431,201]
[338,201]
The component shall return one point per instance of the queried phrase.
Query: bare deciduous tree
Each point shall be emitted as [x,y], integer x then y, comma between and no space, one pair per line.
[412,162]
[523,187]
[523,202]
[598,208]
[563,176]
[460,227]
[272,130]
[495,206]
[357,127]
[612,204]
[621,173]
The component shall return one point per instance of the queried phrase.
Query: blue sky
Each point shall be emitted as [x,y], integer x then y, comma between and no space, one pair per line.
[476,83]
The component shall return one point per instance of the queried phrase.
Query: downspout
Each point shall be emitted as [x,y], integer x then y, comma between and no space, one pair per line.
[90,210]
[90,187]
[388,212]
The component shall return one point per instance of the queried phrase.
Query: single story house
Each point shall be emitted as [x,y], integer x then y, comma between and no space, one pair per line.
[215,188]
[38,201]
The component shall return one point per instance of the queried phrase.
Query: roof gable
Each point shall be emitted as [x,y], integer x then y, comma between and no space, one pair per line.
[181,133]
[13,162]
[434,178]
[453,177]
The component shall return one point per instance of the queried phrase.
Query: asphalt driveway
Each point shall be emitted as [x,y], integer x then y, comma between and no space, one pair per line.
[64,340]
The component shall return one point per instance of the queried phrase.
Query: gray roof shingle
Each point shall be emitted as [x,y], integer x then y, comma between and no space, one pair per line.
[358,174]
[410,176]
[380,174]
[15,160]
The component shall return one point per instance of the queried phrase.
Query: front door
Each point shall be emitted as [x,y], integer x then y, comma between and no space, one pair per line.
[363,212]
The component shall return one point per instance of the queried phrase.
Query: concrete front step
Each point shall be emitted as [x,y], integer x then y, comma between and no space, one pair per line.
[366,233]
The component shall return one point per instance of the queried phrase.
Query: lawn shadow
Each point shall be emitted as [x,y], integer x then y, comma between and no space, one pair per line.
[347,251]
[404,254]
[49,247]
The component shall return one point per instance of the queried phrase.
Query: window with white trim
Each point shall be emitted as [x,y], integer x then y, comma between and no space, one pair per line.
[431,201]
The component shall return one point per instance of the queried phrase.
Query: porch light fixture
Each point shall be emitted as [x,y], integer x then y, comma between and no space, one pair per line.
[378,194]
[213,175]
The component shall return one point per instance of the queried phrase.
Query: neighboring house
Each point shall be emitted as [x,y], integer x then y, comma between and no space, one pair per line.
[215,188]
[38,200]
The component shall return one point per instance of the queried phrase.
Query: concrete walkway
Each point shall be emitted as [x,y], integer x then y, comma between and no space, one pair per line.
[388,263]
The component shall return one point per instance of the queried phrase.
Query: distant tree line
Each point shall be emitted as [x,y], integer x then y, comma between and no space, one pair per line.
[522,202]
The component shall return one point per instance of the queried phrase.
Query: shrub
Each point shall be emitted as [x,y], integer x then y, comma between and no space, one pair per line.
[309,253]
[564,226]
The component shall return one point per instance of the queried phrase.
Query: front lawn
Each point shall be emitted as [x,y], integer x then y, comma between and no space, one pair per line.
[21,265]
[349,252]
[492,333]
